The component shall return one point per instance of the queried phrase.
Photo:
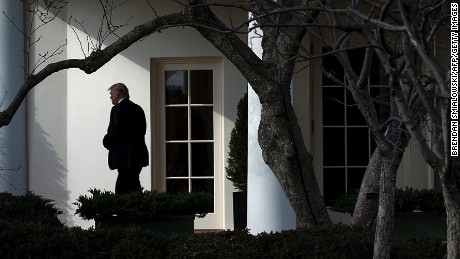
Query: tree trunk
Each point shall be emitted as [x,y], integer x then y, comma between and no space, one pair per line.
[280,138]
[385,219]
[366,208]
[284,151]
[391,156]
[453,221]
[451,190]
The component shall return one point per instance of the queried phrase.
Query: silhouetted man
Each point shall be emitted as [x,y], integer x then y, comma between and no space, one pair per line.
[125,140]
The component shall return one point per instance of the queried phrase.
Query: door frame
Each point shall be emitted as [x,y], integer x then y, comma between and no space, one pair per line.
[158,66]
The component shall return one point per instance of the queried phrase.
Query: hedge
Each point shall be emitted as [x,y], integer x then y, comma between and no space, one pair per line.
[31,240]
[25,233]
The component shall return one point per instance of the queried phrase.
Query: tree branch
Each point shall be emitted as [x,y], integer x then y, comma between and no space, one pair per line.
[92,63]
[432,66]
[232,47]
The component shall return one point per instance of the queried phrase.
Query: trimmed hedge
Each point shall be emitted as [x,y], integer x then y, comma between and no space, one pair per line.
[425,200]
[26,233]
[29,208]
[38,241]
[406,200]
[143,204]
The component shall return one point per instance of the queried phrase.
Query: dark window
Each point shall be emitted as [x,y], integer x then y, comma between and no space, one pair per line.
[347,144]
[334,183]
[333,108]
[333,147]
[189,142]
[176,87]
[333,67]
[357,146]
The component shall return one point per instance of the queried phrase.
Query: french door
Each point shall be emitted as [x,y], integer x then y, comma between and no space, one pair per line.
[187,141]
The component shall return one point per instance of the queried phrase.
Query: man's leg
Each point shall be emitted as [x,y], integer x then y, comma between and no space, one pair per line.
[128,180]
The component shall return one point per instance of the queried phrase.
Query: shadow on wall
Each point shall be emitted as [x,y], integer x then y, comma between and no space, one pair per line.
[48,178]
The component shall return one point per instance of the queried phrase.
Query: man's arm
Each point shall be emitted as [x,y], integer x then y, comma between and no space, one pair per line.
[110,138]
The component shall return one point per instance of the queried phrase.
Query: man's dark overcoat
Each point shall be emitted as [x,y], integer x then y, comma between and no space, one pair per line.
[125,138]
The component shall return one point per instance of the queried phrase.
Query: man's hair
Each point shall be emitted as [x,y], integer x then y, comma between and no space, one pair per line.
[121,89]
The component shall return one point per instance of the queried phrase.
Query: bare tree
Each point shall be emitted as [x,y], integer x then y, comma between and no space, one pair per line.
[420,100]
[391,137]
[405,50]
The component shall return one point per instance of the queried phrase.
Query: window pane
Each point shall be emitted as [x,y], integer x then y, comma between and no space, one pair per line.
[176,159]
[201,119]
[334,183]
[358,146]
[203,185]
[176,82]
[202,159]
[333,103]
[377,72]
[332,65]
[356,57]
[354,116]
[176,185]
[201,86]
[354,179]
[381,97]
[333,147]
[176,123]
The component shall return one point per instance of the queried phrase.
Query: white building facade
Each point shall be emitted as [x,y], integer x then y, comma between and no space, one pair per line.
[188,91]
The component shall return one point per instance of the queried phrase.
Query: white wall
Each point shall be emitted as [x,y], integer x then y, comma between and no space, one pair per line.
[69,112]
[47,128]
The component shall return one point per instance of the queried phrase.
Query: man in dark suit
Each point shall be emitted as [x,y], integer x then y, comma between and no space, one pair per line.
[125,140]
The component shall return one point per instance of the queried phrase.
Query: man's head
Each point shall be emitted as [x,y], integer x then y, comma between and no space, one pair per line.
[118,91]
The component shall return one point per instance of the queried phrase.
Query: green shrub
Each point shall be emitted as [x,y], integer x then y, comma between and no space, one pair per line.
[28,208]
[431,201]
[406,200]
[418,248]
[425,200]
[334,241]
[30,240]
[143,204]
[346,203]
[227,244]
[33,240]
[26,233]
[134,243]
[237,169]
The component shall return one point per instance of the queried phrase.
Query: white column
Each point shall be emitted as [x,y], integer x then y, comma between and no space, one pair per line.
[268,208]
[12,137]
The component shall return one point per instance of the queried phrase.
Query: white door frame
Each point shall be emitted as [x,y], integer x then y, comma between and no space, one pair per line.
[158,66]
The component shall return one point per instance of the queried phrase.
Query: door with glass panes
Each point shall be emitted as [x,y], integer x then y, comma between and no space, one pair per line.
[343,144]
[187,122]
